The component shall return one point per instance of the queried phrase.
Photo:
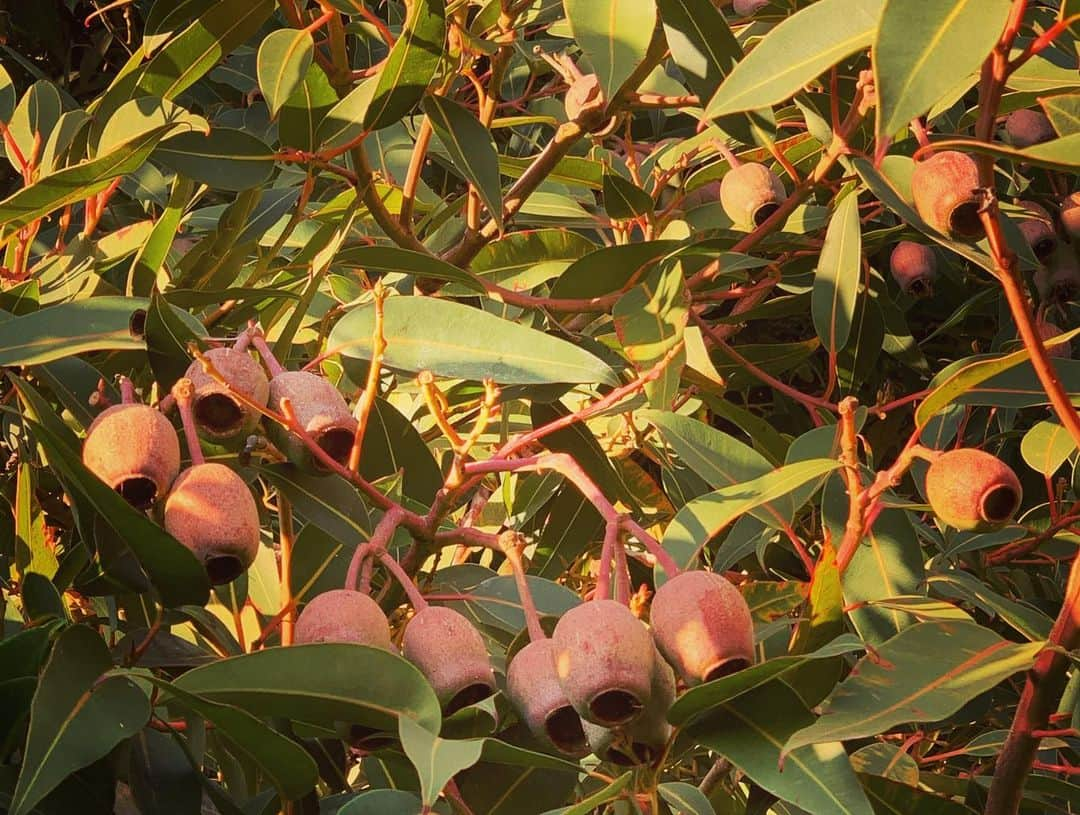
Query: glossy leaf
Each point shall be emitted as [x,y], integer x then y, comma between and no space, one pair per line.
[471,149]
[922,46]
[321,683]
[611,269]
[390,259]
[436,760]
[839,271]
[614,34]
[284,58]
[225,159]
[1046,446]
[423,334]
[77,715]
[795,52]
[923,674]
[411,65]
[622,199]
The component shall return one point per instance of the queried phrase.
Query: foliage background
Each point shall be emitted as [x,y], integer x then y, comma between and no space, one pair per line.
[176,169]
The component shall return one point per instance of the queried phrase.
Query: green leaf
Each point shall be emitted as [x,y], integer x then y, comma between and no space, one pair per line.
[7,95]
[303,114]
[98,324]
[922,46]
[1063,112]
[425,334]
[391,259]
[590,803]
[923,674]
[37,113]
[283,61]
[321,683]
[1046,446]
[287,765]
[411,65]
[622,199]
[167,338]
[329,502]
[886,760]
[226,159]
[750,731]
[471,149]
[1056,154]
[344,122]
[611,269]
[77,716]
[78,182]
[699,520]
[890,797]
[839,270]
[685,799]
[436,760]
[166,17]
[151,256]
[614,34]
[649,321]
[382,802]
[794,53]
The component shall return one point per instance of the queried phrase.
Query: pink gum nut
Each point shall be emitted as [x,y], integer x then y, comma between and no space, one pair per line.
[450,652]
[135,450]
[913,267]
[343,615]
[219,416]
[535,692]
[946,192]
[972,490]
[321,410]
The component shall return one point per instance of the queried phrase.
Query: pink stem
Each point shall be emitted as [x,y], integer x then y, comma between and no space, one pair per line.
[380,536]
[271,362]
[607,552]
[416,599]
[182,392]
[127,391]
[622,576]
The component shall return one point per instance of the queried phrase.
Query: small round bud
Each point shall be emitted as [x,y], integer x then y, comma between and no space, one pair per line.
[702,626]
[972,490]
[1027,127]
[343,615]
[321,410]
[135,450]
[211,511]
[914,268]
[946,191]
[603,658]
[750,193]
[220,417]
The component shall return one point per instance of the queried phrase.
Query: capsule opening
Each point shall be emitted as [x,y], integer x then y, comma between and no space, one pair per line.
[726,668]
[999,503]
[337,442]
[614,707]
[965,222]
[222,569]
[139,491]
[1044,247]
[762,213]
[563,727]
[218,413]
[469,695]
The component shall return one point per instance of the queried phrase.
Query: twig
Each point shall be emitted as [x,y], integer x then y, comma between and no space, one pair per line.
[182,392]
[286,539]
[371,388]
[511,543]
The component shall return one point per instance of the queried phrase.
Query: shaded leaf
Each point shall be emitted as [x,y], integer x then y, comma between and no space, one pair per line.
[614,34]
[283,61]
[839,270]
[471,149]
[411,65]
[436,760]
[226,159]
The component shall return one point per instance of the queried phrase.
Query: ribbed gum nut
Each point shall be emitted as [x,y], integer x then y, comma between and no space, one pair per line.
[643,740]
[945,188]
[702,626]
[1070,216]
[750,193]
[219,416]
[321,410]
[914,268]
[1037,227]
[603,658]
[1047,331]
[212,512]
[584,96]
[450,652]
[972,490]
[746,8]
[343,615]
[535,692]
[1058,280]
[135,450]
[1027,127]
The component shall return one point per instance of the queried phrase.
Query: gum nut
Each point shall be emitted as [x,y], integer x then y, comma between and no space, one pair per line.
[750,193]
[643,741]
[450,652]
[535,692]
[583,95]
[1058,281]
[1047,331]
[343,615]
[746,8]
[1027,127]
[702,626]
[321,410]
[219,416]
[212,512]
[914,267]
[945,187]
[1037,227]
[603,658]
[134,449]
[1070,216]
[972,490]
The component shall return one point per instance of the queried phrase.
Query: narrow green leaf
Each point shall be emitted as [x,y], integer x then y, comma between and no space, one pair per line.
[390,259]
[797,51]
[611,269]
[922,46]
[411,65]
[344,122]
[283,60]
[425,334]
[649,321]
[151,255]
[839,270]
[471,149]
[226,159]
[890,797]
[76,717]
[923,674]
[614,34]
[622,199]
